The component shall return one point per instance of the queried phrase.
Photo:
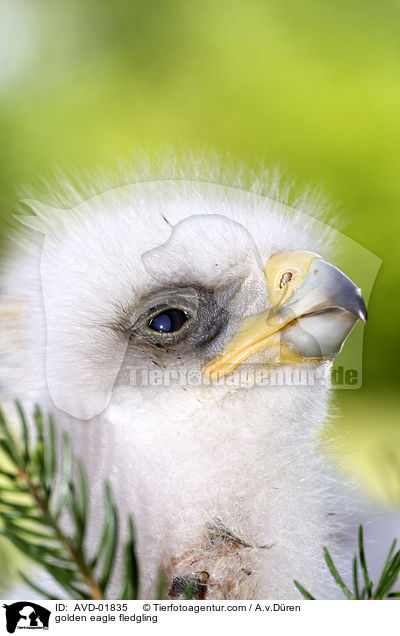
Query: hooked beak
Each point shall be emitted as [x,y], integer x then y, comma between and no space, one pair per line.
[314,308]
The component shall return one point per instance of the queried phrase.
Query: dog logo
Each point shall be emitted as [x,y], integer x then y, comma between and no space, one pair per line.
[26,615]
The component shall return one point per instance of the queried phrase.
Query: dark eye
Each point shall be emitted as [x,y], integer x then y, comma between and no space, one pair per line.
[169,320]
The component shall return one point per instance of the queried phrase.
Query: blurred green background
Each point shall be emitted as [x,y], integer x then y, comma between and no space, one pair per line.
[313,86]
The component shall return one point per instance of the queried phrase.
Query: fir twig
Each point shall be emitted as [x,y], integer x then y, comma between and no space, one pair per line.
[389,576]
[304,592]
[37,492]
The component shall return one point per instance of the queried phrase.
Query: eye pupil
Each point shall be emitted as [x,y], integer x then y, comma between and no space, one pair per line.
[168,321]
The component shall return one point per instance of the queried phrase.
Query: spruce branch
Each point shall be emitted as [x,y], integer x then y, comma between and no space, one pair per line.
[390,574]
[36,492]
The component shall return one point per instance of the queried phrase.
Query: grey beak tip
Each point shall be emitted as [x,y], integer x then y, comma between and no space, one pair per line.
[362,311]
